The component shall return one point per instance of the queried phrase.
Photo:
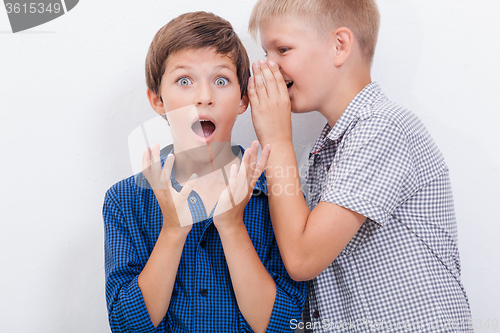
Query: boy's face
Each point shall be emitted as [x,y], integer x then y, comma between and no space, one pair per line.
[305,60]
[201,98]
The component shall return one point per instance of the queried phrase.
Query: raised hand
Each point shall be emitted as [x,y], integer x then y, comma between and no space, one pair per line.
[270,104]
[234,198]
[173,204]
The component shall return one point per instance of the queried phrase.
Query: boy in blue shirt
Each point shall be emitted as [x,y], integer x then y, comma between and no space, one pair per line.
[377,236]
[187,253]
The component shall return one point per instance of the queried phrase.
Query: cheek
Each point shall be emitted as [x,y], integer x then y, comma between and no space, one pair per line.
[176,97]
[180,118]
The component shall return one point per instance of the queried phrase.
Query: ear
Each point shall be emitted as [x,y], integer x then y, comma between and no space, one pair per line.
[343,40]
[156,102]
[243,104]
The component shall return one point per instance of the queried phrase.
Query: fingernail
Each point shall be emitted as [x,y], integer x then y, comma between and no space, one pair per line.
[256,64]
[250,80]
[193,176]
[271,63]
[262,61]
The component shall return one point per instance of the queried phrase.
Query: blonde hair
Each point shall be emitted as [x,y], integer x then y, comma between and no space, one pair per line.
[362,17]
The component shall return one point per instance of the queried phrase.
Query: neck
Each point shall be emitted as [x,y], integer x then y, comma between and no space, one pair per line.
[350,83]
[211,181]
[203,161]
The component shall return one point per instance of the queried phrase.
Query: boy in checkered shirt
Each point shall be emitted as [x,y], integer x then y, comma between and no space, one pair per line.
[377,236]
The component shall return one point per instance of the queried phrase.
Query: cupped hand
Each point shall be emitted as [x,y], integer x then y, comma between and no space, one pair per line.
[174,205]
[270,104]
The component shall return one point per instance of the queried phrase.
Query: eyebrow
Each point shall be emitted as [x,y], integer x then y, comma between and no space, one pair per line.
[180,67]
[190,67]
[273,42]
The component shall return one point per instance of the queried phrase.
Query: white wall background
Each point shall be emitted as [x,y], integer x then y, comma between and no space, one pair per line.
[72,90]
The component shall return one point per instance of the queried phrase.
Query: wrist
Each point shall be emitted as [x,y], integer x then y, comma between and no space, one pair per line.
[229,228]
[175,234]
[275,139]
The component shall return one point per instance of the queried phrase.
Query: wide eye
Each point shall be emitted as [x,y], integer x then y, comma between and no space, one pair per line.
[184,81]
[221,81]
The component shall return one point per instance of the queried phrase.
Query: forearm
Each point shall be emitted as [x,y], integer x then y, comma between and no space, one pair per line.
[254,288]
[308,240]
[288,208]
[156,280]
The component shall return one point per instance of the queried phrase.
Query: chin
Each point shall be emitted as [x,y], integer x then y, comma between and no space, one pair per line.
[299,109]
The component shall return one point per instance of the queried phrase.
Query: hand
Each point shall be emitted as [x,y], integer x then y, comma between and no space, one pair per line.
[234,198]
[173,204]
[270,104]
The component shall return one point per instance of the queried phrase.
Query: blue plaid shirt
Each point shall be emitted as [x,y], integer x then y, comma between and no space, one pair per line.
[203,299]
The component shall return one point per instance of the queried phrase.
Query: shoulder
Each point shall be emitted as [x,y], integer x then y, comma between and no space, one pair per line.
[128,192]
[391,114]
[382,117]
[123,188]
[386,126]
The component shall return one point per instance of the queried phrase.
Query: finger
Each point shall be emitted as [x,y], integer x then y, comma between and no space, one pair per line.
[146,159]
[233,178]
[271,84]
[252,161]
[233,184]
[155,156]
[261,164]
[252,94]
[242,173]
[167,171]
[247,156]
[156,152]
[245,173]
[260,88]
[280,81]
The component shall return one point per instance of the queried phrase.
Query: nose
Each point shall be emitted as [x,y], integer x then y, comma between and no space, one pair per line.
[274,58]
[271,56]
[204,95]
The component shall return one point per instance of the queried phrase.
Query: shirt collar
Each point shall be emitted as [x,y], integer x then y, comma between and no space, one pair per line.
[260,185]
[360,107]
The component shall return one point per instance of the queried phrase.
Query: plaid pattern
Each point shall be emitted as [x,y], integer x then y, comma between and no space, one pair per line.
[401,271]
[203,299]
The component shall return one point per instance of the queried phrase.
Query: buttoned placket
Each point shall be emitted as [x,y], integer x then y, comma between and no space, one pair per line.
[198,212]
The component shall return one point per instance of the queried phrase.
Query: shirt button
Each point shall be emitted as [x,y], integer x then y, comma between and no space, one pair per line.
[192,200]
[316,314]
[203,244]
[204,292]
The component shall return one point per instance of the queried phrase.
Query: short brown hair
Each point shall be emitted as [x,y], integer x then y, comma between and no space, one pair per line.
[195,31]
[362,17]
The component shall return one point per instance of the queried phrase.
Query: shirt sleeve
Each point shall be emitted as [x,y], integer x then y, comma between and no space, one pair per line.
[290,295]
[373,172]
[126,308]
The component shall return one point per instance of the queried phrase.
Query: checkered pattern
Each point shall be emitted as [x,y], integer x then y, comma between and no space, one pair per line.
[203,299]
[402,267]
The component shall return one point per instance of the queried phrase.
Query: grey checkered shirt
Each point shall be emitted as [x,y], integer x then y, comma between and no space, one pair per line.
[401,271]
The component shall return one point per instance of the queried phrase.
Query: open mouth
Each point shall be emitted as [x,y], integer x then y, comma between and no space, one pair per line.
[289,84]
[203,128]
